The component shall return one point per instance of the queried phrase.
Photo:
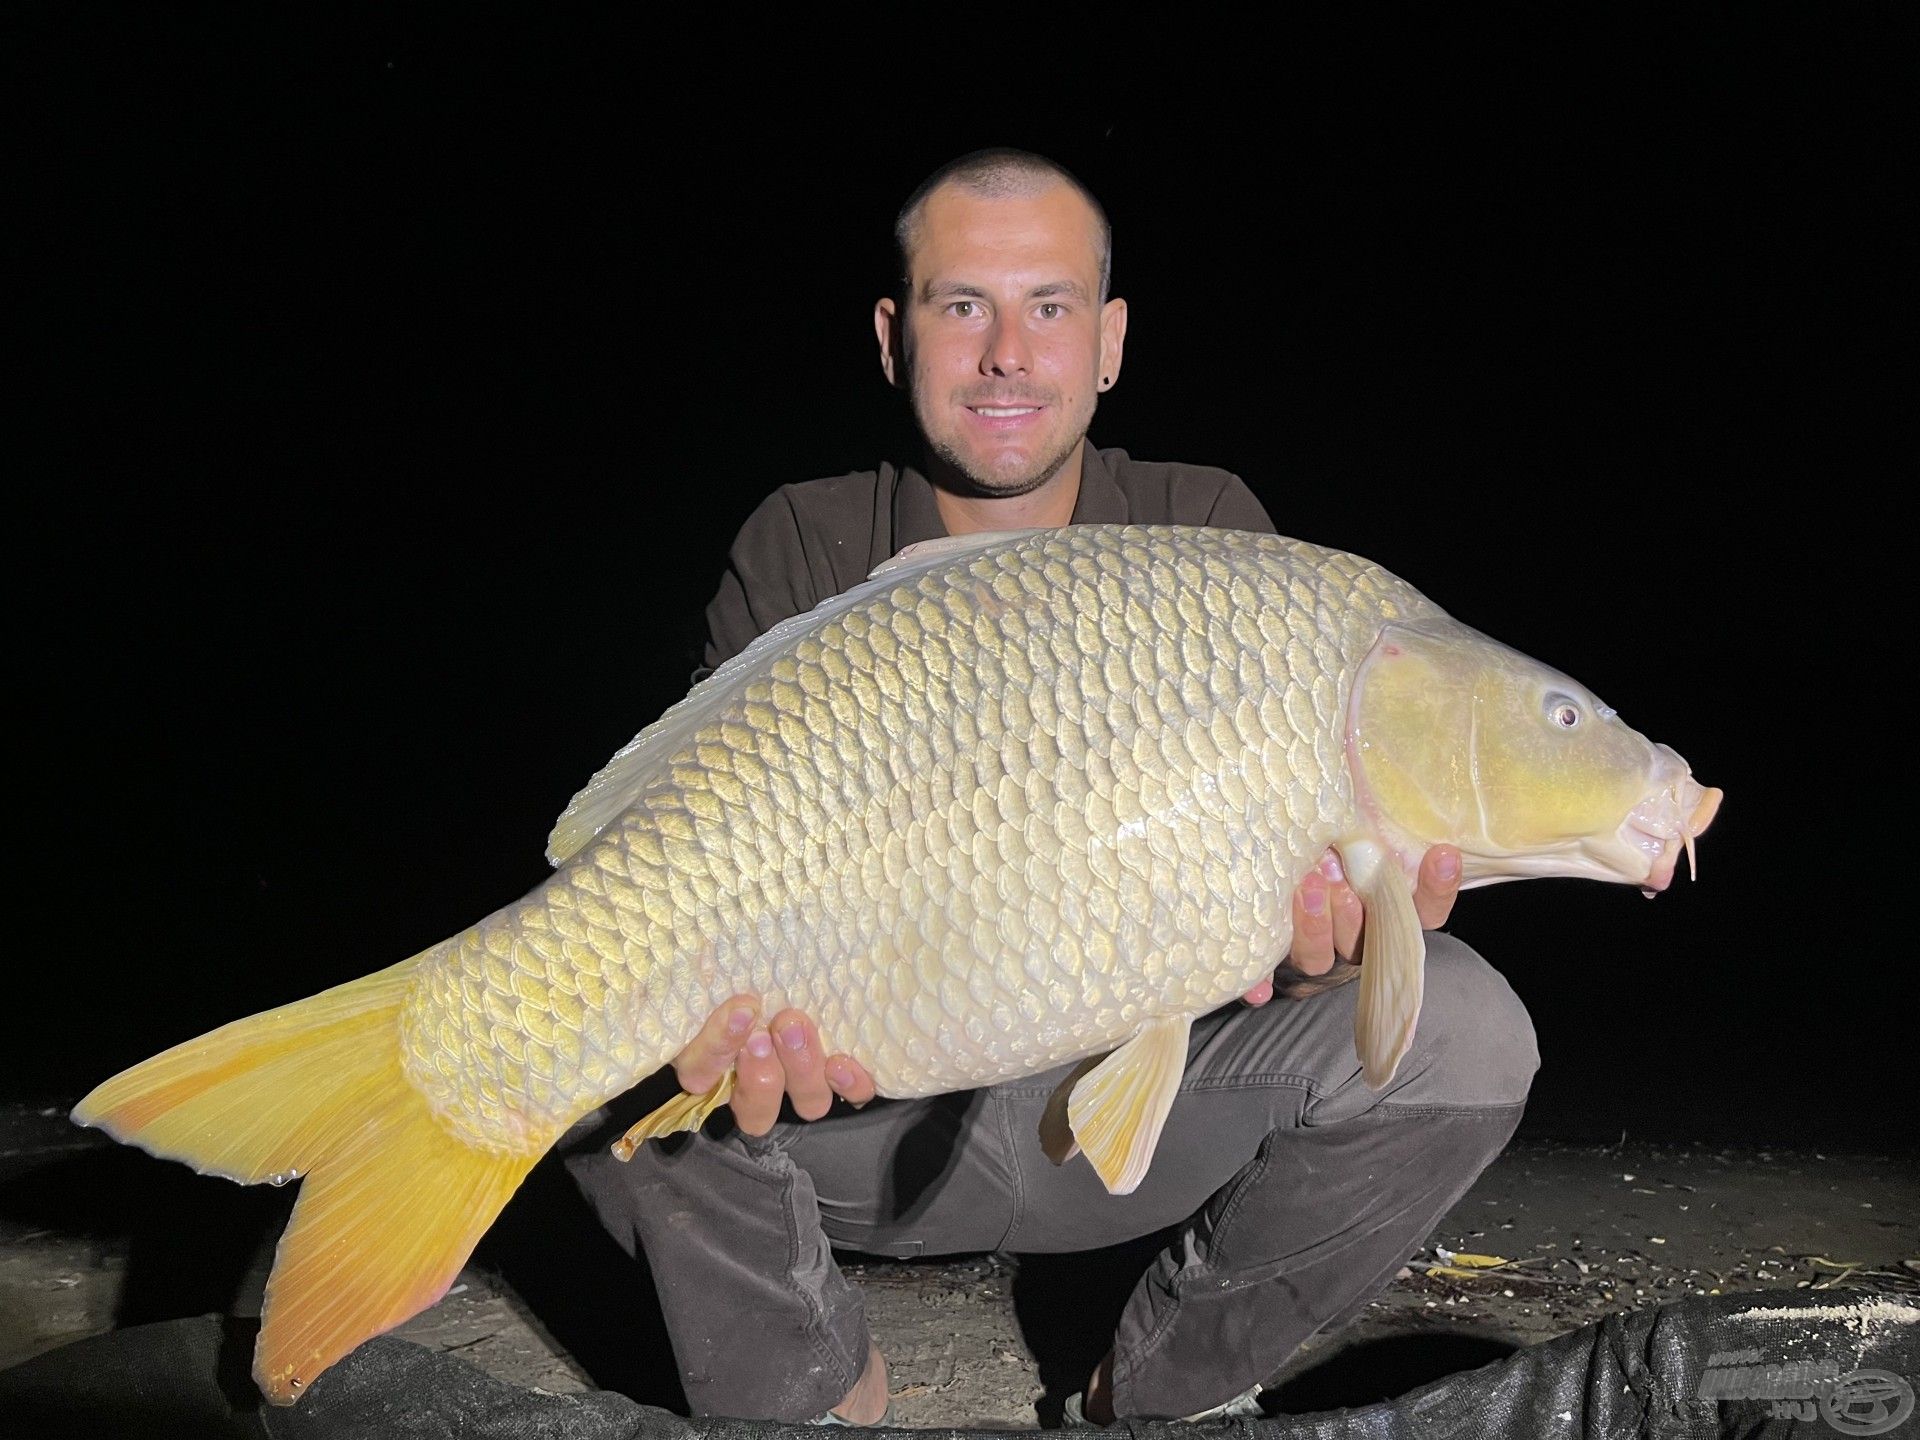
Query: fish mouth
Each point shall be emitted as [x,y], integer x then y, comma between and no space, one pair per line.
[1644,849]
[1663,827]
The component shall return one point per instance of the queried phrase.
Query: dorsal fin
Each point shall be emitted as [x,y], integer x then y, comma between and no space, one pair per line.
[620,780]
[948,545]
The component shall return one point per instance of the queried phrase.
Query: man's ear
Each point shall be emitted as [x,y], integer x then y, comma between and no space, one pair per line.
[1113,341]
[890,328]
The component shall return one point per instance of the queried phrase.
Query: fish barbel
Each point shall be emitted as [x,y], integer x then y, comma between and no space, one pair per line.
[1017,800]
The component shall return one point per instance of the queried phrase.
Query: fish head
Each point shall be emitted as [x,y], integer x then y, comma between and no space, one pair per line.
[1456,738]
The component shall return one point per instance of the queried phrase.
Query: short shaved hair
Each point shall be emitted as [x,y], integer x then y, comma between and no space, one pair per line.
[998,174]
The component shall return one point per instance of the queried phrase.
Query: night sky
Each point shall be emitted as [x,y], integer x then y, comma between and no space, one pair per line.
[395,392]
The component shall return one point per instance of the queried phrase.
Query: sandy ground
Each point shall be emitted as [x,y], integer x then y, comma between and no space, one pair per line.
[93,1236]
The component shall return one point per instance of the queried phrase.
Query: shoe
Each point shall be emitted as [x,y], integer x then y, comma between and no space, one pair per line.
[832,1419]
[874,1357]
[1073,1414]
[1244,1406]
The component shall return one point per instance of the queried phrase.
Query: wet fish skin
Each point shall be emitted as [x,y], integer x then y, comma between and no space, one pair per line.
[984,822]
[1003,807]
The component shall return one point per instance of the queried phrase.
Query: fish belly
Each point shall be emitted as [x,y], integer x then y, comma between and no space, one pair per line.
[985,821]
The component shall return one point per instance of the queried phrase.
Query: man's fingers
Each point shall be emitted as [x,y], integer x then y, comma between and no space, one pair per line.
[710,1054]
[758,1085]
[849,1079]
[1328,917]
[1312,952]
[771,1063]
[1343,906]
[1260,994]
[1438,885]
[803,1063]
[1348,918]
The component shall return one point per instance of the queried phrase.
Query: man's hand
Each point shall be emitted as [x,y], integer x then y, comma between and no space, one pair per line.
[783,1059]
[1327,916]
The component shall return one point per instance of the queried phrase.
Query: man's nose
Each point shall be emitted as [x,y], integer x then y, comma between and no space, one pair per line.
[1007,351]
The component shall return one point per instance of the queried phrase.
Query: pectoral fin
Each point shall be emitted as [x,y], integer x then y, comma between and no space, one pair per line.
[1394,962]
[1117,1108]
[682,1112]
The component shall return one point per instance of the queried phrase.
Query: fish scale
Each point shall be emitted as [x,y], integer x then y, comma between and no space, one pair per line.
[1018,799]
[987,821]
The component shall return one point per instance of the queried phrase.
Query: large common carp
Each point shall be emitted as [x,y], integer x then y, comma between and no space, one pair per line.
[1015,801]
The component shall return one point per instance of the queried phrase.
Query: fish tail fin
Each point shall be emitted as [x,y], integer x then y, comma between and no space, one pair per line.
[391,1203]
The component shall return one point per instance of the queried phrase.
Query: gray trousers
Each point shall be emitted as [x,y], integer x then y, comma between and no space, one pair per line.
[1294,1191]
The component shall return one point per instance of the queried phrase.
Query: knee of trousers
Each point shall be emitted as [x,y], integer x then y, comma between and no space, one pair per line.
[1478,1036]
[666,1184]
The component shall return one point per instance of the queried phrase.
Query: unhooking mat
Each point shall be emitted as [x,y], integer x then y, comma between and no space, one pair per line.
[1756,1365]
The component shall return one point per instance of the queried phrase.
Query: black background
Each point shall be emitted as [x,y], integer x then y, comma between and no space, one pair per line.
[395,387]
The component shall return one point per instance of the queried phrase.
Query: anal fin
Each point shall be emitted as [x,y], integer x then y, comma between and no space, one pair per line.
[1118,1107]
[682,1112]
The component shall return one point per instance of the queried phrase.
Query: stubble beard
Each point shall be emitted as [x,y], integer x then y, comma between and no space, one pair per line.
[994,487]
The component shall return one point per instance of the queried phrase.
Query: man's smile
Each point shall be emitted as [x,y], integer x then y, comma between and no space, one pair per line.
[1007,415]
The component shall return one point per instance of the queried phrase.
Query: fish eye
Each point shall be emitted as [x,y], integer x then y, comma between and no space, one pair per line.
[1563,711]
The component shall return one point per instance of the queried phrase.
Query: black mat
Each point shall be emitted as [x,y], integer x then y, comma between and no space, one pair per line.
[1756,1365]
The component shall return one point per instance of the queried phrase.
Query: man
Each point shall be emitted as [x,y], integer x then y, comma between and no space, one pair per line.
[1296,1192]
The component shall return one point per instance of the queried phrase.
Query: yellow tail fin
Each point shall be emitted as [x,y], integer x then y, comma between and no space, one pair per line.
[391,1204]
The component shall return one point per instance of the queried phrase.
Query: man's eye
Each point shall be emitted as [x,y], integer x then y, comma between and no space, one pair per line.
[962,309]
[1050,311]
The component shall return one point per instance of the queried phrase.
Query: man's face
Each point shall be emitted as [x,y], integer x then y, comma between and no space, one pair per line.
[1003,338]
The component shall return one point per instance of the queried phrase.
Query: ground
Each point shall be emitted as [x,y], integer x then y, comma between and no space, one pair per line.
[1550,1238]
